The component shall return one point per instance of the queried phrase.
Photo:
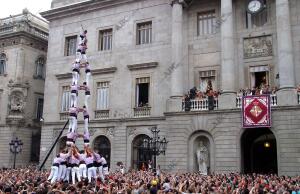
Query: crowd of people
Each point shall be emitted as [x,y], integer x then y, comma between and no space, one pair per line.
[264,89]
[31,180]
[196,94]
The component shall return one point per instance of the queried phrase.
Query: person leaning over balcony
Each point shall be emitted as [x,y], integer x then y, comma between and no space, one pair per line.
[193,92]
[240,93]
[199,95]
[257,91]
[210,98]
[253,91]
[187,103]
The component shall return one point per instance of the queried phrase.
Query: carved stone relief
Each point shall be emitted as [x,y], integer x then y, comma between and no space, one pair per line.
[17,102]
[110,132]
[258,47]
[131,131]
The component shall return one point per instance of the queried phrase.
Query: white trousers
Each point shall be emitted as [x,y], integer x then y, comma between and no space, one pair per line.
[74,99]
[86,102]
[73,124]
[75,77]
[53,175]
[105,171]
[83,58]
[78,56]
[87,79]
[100,169]
[91,173]
[62,170]
[82,171]
[68,172]
[86,125]
[75,172]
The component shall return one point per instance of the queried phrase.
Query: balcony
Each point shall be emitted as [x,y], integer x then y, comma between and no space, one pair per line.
[143,111]
[200,104]
[63,116]
[101,114]
[273,102]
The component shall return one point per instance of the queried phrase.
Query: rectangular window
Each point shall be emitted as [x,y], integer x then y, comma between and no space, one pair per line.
[40,68]
[259,19]
[142,91]
[105,39]
[2,64]
[2,67]
[206,23]
[103,96]
[205,77]
[144,33]
[39,108]
[66,99]
[70,45]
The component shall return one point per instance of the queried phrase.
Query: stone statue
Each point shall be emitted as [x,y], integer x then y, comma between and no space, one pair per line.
[202,156]
[17,103]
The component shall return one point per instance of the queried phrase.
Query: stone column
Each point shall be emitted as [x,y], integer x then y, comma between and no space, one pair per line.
[228,79]
[286,94]
[176,66]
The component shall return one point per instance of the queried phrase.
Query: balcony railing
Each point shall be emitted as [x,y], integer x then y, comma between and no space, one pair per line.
[199,105]
[64,115]
[142,111]
[101,114]
[273,102]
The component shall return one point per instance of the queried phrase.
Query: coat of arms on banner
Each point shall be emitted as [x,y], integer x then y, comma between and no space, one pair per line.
[256,111]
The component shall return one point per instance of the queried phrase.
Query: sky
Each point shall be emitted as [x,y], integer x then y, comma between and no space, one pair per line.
[13,7]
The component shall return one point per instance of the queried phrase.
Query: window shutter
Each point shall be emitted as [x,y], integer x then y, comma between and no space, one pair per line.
[103,96]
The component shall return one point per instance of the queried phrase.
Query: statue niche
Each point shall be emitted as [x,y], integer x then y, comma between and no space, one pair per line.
[16,102]
[202,155]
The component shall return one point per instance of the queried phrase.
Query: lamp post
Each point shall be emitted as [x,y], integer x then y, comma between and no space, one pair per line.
[155,145]
[15,148]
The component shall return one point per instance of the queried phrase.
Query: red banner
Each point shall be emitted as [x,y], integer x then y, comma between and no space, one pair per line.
[256,111]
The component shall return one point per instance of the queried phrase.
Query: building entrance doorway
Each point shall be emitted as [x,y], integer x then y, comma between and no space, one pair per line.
[102,145]
[259,151]
[140,155]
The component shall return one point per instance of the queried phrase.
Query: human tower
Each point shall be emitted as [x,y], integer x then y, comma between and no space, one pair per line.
[80,62]
[71,164]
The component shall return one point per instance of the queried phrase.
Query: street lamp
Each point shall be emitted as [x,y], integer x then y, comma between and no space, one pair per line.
[155,145]
[15,148]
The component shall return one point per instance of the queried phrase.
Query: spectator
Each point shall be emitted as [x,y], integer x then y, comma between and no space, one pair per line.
[210,96]
[30,180]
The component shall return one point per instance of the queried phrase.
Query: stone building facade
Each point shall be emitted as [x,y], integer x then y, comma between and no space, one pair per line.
[146,54]
[23,52]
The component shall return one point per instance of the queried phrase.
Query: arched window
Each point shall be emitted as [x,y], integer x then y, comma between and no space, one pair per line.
[102,145]
[2,64]
[40,68]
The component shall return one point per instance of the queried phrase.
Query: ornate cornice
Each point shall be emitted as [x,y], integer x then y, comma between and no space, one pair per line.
[81,8]
[64,76]
[111,122]
[142,66]
[104,70]
[23,38]
[185,3]
[94,72]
